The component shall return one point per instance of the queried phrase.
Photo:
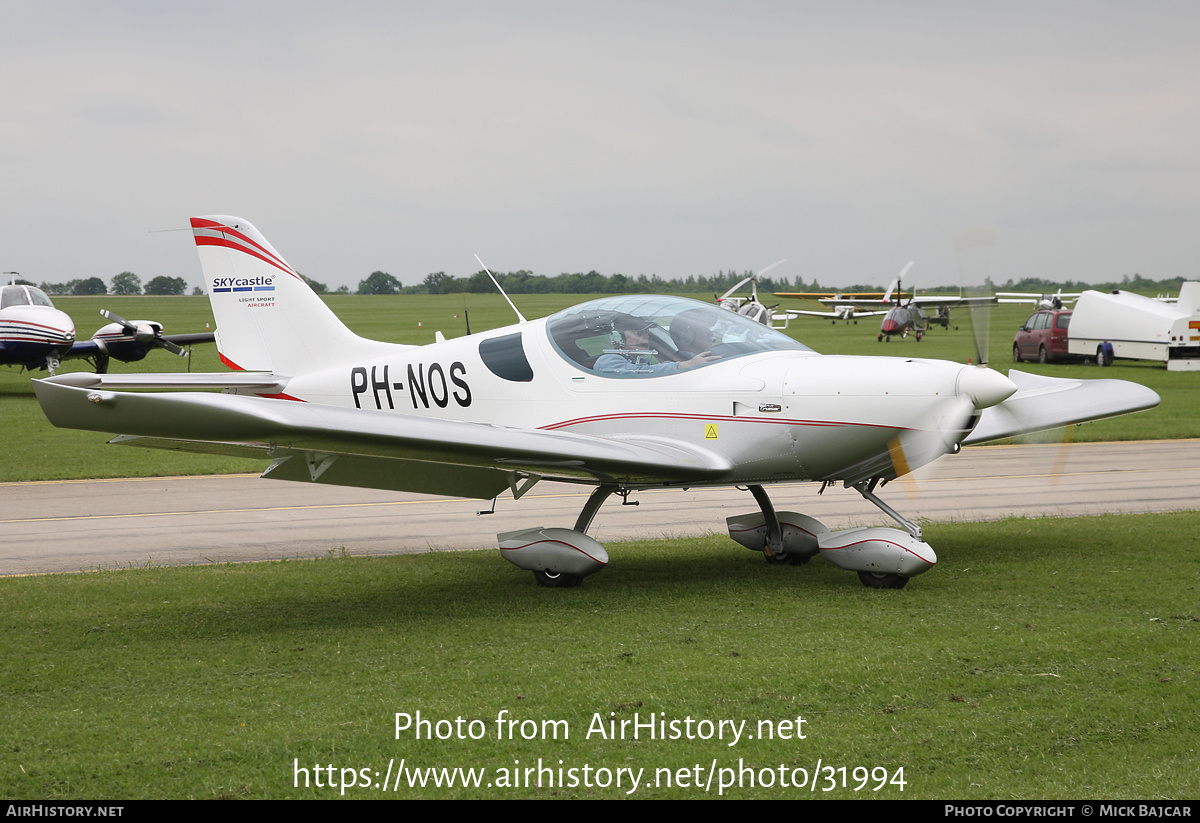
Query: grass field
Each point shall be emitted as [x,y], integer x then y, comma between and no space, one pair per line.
[1043,659]
[36,451]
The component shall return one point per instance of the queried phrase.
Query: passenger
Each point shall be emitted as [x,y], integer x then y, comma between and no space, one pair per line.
[691,332]
[632,350]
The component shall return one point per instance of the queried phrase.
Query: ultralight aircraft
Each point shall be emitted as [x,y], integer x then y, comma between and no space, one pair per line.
[621,394]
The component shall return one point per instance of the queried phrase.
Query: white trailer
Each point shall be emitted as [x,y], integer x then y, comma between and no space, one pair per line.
[1123,324]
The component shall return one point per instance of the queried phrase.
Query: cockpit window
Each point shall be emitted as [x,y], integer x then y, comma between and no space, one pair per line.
[650,335]
[23,296]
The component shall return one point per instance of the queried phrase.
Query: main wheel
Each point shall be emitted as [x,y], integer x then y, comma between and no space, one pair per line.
[788,559]
[880,580]
[1016,353]
[1042,356]
[1102,357]
[557,580]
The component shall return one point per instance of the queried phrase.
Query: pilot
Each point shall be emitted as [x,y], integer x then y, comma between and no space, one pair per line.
[632,350]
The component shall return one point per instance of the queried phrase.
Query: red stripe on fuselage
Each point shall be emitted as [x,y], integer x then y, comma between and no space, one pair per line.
[716,418]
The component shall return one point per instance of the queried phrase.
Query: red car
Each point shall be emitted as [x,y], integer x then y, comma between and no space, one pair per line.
[1043,337]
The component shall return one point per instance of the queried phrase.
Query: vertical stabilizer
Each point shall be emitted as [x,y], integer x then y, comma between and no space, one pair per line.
[268,319]
[1189,297]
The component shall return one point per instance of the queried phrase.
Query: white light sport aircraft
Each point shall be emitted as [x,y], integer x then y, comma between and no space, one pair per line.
[621,393]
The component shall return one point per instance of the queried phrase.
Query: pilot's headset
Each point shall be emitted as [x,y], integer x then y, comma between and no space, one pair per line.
[626,322]
[687,328]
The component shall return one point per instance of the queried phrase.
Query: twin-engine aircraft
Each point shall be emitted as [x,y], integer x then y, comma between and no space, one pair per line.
[36,335]
[621,394]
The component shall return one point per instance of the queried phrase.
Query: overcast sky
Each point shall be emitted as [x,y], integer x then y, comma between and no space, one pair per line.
[673,138]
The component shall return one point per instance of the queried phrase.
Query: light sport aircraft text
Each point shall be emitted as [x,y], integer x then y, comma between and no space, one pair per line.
[622,394]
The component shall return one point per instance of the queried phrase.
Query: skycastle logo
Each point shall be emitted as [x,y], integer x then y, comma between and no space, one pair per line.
[232,284]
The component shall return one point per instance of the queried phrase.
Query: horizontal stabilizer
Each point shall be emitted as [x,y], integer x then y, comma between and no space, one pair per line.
[1043,403]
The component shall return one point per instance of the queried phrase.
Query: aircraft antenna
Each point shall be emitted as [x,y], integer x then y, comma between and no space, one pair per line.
[520,316]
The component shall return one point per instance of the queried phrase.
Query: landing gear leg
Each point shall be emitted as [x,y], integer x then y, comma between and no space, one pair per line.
[593,504]
[774,549]
[867,489]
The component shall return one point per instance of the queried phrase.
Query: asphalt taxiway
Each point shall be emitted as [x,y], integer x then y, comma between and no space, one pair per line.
[83,525]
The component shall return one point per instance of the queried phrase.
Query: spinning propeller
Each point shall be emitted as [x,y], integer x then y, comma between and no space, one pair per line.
[975,250]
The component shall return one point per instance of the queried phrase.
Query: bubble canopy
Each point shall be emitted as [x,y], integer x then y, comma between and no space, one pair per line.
[655,335]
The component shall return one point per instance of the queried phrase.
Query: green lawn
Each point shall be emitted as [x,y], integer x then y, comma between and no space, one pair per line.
[1061,666]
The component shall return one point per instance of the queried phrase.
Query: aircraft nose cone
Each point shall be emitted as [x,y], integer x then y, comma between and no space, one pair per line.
[986,387]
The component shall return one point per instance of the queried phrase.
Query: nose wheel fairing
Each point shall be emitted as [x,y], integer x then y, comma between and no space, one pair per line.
[883,557]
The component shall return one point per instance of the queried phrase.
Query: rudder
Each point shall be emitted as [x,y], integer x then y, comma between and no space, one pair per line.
[268,319]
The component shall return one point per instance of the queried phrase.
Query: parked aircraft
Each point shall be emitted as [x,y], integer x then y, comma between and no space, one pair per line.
[906,312]
[751,306]
[1043,300]
[621,394]
[36,335]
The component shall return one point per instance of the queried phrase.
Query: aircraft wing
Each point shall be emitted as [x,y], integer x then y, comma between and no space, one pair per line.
[951,300]
[842,296]
[834,315]
[330,444]
[191,339]
[81,349]
[1042,403]
[89,349]
[256,382]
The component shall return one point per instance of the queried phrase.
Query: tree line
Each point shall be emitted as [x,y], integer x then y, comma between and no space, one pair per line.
[526,282]
[1133,282]
[124,283]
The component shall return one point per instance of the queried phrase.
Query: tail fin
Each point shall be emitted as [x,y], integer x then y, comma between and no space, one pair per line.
[268,319]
